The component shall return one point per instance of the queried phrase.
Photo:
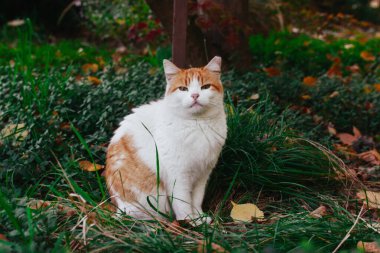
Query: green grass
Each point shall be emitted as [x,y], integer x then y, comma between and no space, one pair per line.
[266,161]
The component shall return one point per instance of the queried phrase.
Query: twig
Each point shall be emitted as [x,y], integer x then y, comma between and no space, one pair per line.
[349,231]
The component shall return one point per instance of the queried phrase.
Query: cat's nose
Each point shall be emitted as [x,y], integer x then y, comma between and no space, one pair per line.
[195,96]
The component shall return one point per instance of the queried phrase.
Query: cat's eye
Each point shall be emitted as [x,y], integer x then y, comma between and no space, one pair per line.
[183,88]
[205,87]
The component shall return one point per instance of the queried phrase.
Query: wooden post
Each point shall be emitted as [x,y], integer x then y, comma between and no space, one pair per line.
[179,33]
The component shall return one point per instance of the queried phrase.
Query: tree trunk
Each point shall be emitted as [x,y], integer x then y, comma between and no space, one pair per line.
[202,46]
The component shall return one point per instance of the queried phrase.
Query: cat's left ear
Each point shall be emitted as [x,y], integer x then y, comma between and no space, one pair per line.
[170,69]
[215,64]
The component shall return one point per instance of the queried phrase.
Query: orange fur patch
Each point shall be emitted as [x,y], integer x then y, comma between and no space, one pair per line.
[204,76]
[126,171]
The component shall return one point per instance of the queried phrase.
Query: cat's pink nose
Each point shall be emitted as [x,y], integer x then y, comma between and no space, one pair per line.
[195,96]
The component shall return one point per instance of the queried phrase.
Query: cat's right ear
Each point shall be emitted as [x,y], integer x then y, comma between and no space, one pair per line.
[170,69]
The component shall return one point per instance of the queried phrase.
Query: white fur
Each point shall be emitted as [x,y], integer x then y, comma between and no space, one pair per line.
[189,141]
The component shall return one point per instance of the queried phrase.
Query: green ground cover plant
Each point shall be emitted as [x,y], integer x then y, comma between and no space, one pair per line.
[59,119]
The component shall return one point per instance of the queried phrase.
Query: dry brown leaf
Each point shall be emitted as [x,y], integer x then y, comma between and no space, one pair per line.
[372,156]
[89,166]
[367,56]
[94,80]
[370,198]
[319,212]
[331,129]
[357,133]
[272,71]
[215,248]
[16,22]
[368,247]
[3,237]
[246,212]
[90,67]
[255,96]
[377,87]
[346,138]
[309,81]
[334,94]
[36,204]
[17,131]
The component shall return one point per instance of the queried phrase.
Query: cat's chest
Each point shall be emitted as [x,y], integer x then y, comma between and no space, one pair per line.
[198,139]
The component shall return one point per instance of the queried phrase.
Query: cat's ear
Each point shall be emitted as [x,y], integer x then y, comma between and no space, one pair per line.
[215,64]
[170,69]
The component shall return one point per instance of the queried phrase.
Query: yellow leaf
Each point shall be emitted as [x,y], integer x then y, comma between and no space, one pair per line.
[120,21]
[306,97]
[367,56]
[368,247]
[370,198]
[246,212]
[377,87]
[94,80]
[309,81]
[89,166]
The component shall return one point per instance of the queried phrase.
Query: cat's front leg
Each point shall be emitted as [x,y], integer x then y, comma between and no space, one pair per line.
[181,200]
[197,197]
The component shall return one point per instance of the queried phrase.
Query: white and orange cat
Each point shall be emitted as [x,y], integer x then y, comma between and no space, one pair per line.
[188,127]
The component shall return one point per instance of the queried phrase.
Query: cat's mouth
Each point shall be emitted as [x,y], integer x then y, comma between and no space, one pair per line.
[195,104]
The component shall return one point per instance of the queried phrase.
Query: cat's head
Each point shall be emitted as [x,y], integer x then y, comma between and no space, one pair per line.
[196,90]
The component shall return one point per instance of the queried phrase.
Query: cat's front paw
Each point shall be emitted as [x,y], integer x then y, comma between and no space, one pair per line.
[200,219]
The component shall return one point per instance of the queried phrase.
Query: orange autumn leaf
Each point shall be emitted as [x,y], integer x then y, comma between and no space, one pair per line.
[306,97]
[335,70]
[346,138]
[94,80]
[368,247]
[89,166]
[309,81]
[372,157]
[377,87]
[367,56]
[357,132]
[272,71]
[90,67]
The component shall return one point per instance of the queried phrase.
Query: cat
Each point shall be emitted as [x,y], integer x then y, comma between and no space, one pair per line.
[161,156]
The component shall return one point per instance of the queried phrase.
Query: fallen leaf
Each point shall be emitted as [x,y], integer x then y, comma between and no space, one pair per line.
[354,68]
[368,247]
[3,237]
[16,22]
[346,138]
[17,131]
[357,133]
[90,67]
[309,81]
[246,212]
[377,87]
[334,94]
[89,166]
[370,198]
[306,97]
[203,247]
[94,80]
[367,56]
[319,212]
[367,89]
[372,157]
[36,204]
[272,71]
[255,96]
[331,129]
